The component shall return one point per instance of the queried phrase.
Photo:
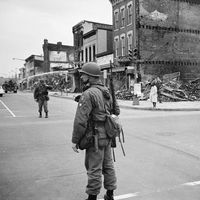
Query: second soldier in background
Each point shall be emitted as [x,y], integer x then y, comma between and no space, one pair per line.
[41,96]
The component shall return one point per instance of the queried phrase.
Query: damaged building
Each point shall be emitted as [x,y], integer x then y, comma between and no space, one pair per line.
[155,38]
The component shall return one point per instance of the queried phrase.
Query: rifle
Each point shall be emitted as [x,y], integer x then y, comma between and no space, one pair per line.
[112,91]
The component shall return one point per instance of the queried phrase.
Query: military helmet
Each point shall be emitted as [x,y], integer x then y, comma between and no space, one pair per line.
[91,69]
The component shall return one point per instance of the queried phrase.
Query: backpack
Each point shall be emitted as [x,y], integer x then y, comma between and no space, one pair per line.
[112,126]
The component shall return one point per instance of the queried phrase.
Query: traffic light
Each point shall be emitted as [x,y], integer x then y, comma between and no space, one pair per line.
[135,54]
[130,54]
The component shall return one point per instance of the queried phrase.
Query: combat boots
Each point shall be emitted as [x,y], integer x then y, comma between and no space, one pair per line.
[109,195]
[92,197]
[46,116]
[40,115]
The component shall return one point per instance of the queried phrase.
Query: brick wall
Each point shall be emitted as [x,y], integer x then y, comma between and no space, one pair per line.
[170,31]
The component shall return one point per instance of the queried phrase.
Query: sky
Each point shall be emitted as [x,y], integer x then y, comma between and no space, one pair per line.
[24,24]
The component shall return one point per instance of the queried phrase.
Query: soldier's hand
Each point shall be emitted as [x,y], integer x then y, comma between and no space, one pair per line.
[74,147]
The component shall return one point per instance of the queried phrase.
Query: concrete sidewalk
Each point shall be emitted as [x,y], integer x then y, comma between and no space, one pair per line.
[145,105]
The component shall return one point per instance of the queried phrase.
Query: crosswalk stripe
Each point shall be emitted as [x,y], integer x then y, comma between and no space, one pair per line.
[125,196]
[192,183]
[8,109]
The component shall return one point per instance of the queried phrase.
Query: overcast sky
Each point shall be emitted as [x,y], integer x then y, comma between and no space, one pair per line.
[24,25]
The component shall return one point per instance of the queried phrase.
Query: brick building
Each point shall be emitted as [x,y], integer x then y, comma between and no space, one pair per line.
[165,34]
[57,56]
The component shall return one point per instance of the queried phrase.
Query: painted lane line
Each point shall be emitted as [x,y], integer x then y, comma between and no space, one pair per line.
[7,108]
[192,183]
[125,196]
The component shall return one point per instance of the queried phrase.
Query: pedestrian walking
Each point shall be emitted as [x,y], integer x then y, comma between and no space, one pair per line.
[41,97]
[153,94]
[89,122]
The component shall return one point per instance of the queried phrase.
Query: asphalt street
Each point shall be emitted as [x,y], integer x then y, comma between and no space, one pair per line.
[37,163]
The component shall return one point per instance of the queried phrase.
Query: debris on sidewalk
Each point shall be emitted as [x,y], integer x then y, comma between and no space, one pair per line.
[170,91]
[124,95]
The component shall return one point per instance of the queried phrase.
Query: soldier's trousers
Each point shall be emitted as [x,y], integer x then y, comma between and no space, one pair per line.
[43,104]
[98,164]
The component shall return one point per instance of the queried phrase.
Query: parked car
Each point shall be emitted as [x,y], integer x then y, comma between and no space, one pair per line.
[1,91]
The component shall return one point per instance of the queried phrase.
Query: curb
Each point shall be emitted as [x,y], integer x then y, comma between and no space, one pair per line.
[160,109]
[139,108]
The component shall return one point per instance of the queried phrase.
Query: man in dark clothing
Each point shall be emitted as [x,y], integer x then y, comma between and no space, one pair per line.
[41,96]
[90,116]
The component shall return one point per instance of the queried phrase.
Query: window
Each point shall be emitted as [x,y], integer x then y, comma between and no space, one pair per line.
[94,53]
[122,10]
[116,43]
[116,18]
[130,13]
[81,55]
[130,39]
[90,53]
[122,44]
[86,55]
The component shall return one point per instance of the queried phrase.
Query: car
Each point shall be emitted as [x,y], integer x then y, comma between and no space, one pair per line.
[1,91]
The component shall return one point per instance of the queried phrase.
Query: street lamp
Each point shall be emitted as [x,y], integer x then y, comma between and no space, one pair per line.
[16,69]
[18,59]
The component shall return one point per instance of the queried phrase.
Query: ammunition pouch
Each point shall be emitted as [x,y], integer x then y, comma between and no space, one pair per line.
[86,142]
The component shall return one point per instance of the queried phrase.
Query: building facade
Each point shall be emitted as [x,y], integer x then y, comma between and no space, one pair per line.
[57,56]
[33,65]
[93,42]
[164,33]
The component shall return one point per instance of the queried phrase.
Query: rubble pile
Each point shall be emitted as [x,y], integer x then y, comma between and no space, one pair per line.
[172,90]
[192,89]
[124,95]
[180,91]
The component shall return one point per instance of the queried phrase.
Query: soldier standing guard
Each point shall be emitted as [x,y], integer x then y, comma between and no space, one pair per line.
[41,96]
[94,103]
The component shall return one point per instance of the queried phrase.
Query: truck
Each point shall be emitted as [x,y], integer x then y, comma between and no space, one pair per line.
[10,86]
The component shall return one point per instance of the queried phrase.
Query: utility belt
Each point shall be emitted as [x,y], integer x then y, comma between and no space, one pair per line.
[95,136]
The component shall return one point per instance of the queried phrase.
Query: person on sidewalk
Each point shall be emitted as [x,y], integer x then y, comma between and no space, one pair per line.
[90,116]
[159,85]
[41,97]
[153,94]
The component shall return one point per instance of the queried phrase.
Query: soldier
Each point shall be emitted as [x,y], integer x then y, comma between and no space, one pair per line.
[41,96]
[89,119]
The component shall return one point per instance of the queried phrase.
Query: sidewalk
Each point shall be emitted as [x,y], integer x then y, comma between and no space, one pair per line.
[145,105]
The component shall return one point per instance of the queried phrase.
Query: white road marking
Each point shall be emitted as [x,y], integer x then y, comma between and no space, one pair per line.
[7,108]
[192,183]
[129,195]
[125,196]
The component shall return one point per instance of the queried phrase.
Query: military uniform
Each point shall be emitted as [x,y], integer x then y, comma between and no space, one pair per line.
[92,106]
[41,96]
